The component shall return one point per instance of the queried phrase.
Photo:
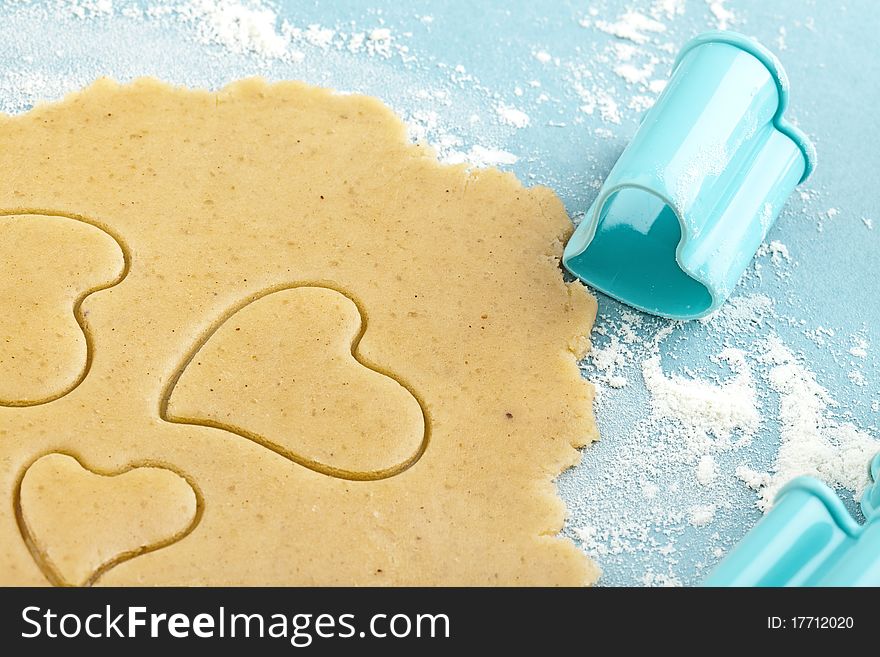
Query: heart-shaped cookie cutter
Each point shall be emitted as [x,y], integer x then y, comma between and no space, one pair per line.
[690,200]
[808,538]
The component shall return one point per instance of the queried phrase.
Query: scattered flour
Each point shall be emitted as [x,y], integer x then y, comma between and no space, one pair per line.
[667,8]
[660,580]
[701,449]
[700,516]
[238,27]
[752,478]
[617,353]
[724,17]
[780,39]
[812,443]
[820,335]
[511,116]
[480,156]
[656,86]
[632,26]
[22,88]
[706,470]
[860,347]
[641,103]
[778,252]
[857,378]
[741,313]
[707,410]
[88,8]
[826,216]
[779,257]
[608,108]
[636,75]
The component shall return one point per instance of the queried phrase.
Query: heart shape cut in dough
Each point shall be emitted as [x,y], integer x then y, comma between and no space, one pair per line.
[283,370]
[78,523]
[50,265]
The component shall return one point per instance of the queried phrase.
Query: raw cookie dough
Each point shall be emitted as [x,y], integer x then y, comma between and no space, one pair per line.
[339,361]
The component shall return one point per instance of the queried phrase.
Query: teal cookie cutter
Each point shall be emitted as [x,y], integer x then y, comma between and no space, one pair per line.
[690,200]
[808,539]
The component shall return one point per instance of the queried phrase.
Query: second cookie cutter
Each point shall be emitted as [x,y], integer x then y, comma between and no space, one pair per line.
[808,538]
[692,197]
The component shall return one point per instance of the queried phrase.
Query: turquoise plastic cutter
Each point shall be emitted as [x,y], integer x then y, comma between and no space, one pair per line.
[691,199]
[808,539]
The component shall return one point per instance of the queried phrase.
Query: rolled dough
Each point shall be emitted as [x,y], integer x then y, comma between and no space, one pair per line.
[256,337]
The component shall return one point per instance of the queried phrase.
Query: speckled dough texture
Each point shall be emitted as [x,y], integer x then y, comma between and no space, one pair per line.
[255,337]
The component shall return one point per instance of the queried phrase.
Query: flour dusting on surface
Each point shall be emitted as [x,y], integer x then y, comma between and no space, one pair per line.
[812,442]
[632,26]
[701,452]
[724,17]
[236,26]
[512,116]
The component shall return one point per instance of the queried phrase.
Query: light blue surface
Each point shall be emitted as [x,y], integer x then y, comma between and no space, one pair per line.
[832,57]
